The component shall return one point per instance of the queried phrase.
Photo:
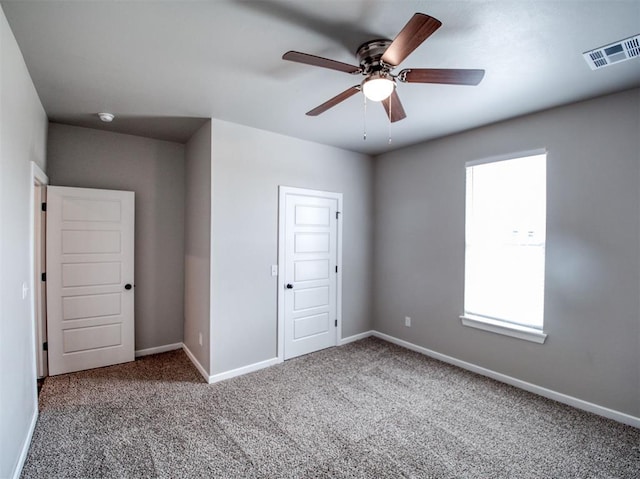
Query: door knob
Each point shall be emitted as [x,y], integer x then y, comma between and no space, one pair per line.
[127,286]
[289,286]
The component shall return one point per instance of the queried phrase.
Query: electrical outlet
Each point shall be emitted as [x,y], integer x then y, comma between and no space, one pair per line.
[200,338]
[407,321]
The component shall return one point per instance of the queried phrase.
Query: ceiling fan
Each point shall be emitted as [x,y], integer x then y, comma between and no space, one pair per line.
[377,58]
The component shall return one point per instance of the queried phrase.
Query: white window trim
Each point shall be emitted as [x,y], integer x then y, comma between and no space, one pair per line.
[507,156]
[503,327]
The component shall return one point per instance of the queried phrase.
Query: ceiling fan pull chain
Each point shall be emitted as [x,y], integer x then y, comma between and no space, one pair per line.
[364,119]
[390,110]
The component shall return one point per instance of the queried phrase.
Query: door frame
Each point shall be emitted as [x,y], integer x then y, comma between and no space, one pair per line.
[283,191]
[37,236]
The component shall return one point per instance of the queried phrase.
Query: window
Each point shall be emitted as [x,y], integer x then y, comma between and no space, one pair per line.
[505,246]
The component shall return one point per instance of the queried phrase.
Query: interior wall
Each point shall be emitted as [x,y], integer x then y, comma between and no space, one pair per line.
[154,170]
[23,131]
[248,167]
[197,245]
[592,265]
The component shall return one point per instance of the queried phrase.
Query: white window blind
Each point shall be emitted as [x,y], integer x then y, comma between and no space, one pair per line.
[505,240]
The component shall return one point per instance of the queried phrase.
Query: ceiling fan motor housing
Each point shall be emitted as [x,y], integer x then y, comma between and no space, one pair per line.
[369,55]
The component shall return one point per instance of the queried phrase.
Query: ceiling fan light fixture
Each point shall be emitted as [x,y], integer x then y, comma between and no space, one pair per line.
[378,87]
[377,58]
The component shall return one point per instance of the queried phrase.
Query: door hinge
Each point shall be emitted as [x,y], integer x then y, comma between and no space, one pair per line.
[45,346]
[336,269]
[43,277]
[336,323]
[337,214]
[43,207]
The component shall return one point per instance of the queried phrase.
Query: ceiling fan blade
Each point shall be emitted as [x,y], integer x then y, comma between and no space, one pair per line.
[320,62]
[334,101]
[393,107]
[446,76]
[416,31]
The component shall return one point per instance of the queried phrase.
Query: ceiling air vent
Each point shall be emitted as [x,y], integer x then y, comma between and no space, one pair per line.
[626,49]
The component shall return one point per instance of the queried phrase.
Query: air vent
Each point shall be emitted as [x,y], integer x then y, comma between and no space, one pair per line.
[617,52]
[633,46]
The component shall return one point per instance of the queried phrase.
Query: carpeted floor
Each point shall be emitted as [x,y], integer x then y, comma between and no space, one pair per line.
[365,410]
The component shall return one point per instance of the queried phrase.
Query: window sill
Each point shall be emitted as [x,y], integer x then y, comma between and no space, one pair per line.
[502,327]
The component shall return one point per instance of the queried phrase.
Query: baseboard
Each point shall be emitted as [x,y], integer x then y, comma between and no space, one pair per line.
[355,337]
[196,363]
[270,362]
[243,370]
[256,366]
[158,349]
[25,446]
[548,393]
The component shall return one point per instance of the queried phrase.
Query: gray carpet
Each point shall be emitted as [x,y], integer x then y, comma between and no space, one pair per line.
[365,410]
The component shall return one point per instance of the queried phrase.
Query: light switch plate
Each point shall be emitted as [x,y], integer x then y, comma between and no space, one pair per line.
[274,270]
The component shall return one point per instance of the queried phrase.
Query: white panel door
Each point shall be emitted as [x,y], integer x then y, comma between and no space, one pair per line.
[310,272]
[90,295]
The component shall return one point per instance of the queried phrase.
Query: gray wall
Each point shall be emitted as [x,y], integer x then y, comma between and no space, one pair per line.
[593,249]
[248,167]
[197,244]
[23,130]
[154,170]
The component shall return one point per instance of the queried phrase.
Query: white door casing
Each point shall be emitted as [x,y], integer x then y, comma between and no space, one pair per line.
[309,271]
[90,273]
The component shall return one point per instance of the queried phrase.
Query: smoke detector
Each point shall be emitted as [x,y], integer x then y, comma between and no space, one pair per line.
[106,117]
[617,52]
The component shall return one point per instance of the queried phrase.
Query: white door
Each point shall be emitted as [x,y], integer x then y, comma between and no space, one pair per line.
[90,295]
[309,236]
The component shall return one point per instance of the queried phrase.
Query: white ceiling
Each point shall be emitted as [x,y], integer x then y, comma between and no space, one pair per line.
[161,65]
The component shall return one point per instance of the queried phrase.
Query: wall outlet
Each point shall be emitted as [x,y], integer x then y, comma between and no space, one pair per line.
[200,338]
[407,321]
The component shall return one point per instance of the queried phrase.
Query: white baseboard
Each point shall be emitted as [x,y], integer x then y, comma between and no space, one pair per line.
[270,362]
[25,446]
[548,393]
[355,337]
[243,370]
[196,363]
[158,349]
